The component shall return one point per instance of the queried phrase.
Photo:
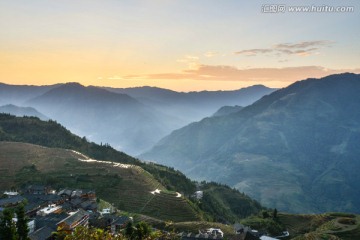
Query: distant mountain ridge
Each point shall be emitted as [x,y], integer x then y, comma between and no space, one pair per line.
[295,149]
[18,94]
[22,111]
[133,119]
[193,106]
[226,110]
[104,116]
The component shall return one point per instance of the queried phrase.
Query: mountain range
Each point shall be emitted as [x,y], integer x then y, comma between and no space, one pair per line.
[131,120]
[296,149]
[193,106]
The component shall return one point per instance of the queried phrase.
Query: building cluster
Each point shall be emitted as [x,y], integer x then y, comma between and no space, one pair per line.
[246,233]
[211,233]
[51,211]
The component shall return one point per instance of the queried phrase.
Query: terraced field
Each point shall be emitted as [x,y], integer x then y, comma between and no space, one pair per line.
[332,226]
[194,227]
[128,187]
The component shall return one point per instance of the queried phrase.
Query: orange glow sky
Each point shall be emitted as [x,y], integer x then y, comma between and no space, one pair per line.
[181,45]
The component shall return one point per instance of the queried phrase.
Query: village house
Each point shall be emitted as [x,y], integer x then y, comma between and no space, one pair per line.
[39,189]
[11,201]
[35,202]
[119,223]
[43,233]
[79,218]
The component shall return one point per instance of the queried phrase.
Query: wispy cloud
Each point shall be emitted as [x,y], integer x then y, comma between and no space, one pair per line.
[254,52]
[306,48]
[305,44]
[229,73]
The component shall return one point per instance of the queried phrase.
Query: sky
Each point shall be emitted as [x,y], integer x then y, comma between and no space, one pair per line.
[183,45]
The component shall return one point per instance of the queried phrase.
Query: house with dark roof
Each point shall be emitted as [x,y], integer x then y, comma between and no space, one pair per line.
[43,233]
[77,193]
[89,205]
[38,189]
[38,201]
[119,223]
[75,202]
[50,220]
[11,201]
[66,193]
[90,195]
[79,218]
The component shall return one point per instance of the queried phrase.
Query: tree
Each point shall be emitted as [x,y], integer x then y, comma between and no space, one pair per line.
[81,233]
[129,230]
[265,214]
[7,226]
[275,213]
[21,225]
[142,230]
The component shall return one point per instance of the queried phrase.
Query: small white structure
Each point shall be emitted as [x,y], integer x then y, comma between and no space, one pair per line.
[49,209]
[267,238]
[215,231]
[31,225]
[106,211]
[11,193]
[156,191]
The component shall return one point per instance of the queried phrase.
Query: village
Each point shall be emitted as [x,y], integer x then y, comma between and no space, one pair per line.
[49,211]
[52,211]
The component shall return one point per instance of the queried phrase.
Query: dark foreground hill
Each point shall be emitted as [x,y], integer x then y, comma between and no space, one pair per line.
[296,149]
[61,159]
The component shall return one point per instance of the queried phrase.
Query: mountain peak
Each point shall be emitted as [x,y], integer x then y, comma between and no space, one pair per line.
[301,142]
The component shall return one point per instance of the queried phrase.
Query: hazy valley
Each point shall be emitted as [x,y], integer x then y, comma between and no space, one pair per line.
[296,149]
[131,120]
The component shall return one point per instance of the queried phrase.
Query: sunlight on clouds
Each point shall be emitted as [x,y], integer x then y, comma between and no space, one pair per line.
[267,76]
[302,49]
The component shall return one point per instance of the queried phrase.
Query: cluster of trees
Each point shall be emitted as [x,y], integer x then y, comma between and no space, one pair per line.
[139,231]
[225,204]
[267,220]
[11,230]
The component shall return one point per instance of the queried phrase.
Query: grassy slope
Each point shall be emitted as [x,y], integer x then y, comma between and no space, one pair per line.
[225,204]
[322,226]
[128,188]
[52,134]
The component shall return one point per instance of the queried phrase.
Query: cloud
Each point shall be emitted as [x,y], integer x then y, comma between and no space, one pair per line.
[230,73]
[302,44]
[253,52]
[306,48]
